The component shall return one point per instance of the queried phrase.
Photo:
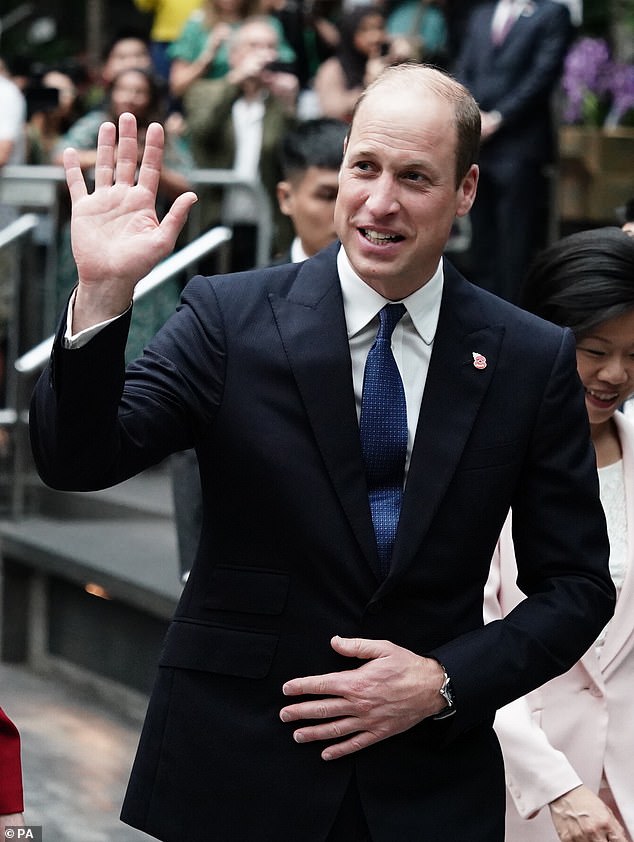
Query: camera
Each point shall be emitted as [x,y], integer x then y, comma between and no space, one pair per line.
[40,99]
[280,67]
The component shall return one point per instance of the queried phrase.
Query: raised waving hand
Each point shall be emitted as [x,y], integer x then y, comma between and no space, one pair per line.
[116,235]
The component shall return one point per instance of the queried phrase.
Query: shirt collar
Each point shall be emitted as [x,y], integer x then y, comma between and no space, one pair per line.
[297,251]
[362,303]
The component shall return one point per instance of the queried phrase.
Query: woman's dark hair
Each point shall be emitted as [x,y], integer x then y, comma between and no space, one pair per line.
[353,61]
[582,280]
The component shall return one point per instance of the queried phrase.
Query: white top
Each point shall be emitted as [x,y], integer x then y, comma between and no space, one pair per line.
[12,122]
[248,119]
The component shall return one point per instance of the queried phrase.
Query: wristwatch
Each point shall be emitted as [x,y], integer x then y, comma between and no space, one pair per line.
[446,691]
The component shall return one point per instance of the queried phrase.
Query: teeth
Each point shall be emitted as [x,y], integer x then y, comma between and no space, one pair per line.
[602,396]
[378,235]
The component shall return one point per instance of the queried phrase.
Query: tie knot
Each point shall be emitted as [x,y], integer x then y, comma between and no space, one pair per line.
[390,316]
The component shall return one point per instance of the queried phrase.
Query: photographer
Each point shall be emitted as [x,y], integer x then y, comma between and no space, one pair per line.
[237,122]
[53,107]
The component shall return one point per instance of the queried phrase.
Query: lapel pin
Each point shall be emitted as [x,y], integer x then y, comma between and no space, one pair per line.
[479,360]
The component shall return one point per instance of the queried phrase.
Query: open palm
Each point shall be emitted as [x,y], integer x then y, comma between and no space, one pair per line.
[116,235]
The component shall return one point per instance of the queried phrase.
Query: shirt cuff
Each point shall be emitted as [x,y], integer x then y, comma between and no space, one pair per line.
[73,341]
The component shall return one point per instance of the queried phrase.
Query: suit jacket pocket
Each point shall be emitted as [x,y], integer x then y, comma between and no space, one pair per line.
[251,590]
[210,648]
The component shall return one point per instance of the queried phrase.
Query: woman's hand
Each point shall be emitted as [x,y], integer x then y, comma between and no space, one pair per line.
[581,816]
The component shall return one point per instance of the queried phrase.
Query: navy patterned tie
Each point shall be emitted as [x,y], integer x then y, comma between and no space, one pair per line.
[383,427]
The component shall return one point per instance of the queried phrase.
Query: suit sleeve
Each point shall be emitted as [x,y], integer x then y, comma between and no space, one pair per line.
[561,547]
[94,424]
[11,797]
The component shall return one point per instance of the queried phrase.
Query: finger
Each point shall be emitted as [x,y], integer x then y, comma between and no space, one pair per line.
[315,685]
[74,176]
[319,709]
[152,161]
[104,165]
[327,730]
[356,743]
[127,150]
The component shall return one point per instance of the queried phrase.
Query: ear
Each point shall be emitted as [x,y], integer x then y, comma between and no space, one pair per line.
[467,191]
[284,193]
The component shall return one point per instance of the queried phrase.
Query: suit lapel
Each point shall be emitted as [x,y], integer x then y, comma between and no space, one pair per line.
[312,326]
[454,391]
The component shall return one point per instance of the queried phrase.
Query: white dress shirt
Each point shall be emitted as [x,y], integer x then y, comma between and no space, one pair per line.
[412,339]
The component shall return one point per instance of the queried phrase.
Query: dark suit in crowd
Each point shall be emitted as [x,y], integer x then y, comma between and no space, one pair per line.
[516,79]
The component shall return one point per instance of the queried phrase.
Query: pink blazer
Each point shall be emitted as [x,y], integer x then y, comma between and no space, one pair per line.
[576,726]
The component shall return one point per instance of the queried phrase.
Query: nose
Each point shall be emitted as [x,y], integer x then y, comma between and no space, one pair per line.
[616,370]
[382,196]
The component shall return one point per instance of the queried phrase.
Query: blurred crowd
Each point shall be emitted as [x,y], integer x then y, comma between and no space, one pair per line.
[228,78]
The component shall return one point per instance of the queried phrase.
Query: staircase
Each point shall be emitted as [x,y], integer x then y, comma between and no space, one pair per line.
[89,581]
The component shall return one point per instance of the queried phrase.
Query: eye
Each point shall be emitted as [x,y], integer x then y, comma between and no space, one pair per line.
[364,166]
[593,352]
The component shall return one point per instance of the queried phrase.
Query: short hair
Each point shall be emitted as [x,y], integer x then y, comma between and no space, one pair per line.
[582,280]
[312,143]
[236,38]
[445,86]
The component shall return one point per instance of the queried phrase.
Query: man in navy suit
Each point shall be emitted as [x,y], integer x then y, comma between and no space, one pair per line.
[511,59]
[305,693]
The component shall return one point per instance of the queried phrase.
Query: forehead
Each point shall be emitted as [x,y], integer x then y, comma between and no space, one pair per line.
[256,35]
[128,47]
[403,121]
[315,178]
[372,21]
[132,79]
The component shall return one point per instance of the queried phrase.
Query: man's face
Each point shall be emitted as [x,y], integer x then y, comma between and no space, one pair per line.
[310,202]
[256,45]
[397,189]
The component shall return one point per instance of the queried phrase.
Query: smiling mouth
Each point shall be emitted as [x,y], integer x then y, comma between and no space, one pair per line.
[603,397]
[379,237]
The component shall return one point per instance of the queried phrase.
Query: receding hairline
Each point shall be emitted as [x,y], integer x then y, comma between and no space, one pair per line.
[425,75]
[430,80]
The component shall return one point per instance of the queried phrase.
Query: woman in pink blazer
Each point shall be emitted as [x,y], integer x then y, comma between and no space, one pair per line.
[569,745]
[11,802]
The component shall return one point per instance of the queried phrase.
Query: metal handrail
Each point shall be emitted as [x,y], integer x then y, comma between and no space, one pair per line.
[197,178]
[14,230]
[37,357]
[264,224]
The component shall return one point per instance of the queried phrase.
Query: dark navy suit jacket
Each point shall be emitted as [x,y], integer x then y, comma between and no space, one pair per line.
[254,371]
[518,77]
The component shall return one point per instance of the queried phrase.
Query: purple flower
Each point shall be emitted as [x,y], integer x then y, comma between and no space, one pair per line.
[586,77]
[621,87]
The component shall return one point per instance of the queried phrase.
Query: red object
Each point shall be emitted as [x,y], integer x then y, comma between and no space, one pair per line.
[11,797]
